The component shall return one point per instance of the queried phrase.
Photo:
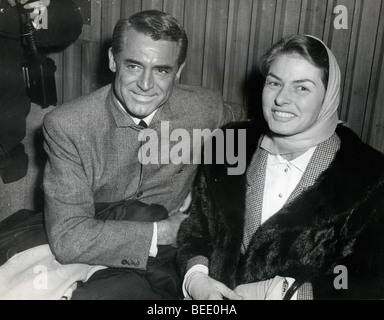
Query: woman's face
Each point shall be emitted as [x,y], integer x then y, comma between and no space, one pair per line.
[293,95]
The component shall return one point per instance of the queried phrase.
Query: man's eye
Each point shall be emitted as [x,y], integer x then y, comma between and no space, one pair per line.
[163,71]
[133,67]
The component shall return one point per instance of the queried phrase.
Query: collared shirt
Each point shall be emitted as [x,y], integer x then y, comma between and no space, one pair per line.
[147,119]
[282,177]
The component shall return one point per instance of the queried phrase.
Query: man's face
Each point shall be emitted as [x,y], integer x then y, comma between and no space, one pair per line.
[146,71]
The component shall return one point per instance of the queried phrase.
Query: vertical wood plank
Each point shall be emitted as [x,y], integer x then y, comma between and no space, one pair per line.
[57,57]
[194,24]
[72,71]
[152,4]
[373,131]
[90,70]
[130,7]
[214,50]
[341,43]
[91,32]
[110,14]
[175,9]
[287,18]
[375,128]
[360,64]
[312,18]
[239,26]
[261,37]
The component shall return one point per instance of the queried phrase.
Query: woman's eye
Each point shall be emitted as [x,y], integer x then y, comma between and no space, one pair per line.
[303,89]
[272,83]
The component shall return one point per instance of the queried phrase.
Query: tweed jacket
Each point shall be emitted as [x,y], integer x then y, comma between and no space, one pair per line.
[93,157]
[336,221]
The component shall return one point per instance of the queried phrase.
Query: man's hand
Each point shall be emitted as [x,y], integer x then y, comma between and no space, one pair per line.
[167,229]
[200,286]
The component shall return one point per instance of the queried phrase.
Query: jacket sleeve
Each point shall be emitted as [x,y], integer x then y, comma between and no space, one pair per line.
[74,235]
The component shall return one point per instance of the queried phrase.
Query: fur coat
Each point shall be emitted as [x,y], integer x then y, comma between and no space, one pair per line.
[338,221]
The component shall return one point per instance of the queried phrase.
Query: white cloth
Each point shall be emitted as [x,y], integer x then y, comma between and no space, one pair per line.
[35,274]
[282,177]
[147,119]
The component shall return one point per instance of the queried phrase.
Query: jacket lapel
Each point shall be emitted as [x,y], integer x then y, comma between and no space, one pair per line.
[254,195]
[320,161]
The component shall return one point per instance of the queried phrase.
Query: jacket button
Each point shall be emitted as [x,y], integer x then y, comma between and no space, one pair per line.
[136,263]
[124,262]
[139,194]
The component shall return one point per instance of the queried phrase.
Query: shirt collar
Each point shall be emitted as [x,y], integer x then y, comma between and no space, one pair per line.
[299,163]
[147,119]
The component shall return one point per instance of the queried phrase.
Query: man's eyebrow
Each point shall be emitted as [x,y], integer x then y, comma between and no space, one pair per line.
[165,67]
[133,61]
[296,81]
[161,66]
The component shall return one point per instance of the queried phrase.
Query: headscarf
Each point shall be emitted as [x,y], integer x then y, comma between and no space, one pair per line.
[325,125]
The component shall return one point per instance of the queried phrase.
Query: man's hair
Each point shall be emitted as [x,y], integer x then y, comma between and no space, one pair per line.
[307,47]
[155,24]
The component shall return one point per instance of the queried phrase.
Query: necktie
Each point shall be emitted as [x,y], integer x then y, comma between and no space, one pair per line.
[143,124]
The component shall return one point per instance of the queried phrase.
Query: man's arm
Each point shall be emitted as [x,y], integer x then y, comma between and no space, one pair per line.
[75,236]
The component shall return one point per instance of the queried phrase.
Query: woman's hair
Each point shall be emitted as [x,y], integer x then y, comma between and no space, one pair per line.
[155,24]
[307,47]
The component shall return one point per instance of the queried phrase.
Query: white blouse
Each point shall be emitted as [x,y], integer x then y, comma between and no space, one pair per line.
[282,177]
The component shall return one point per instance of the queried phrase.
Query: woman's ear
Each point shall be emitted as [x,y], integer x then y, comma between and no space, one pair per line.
[112,62]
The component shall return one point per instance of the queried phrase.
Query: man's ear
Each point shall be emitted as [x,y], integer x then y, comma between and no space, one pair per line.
[112,62]
[178,74]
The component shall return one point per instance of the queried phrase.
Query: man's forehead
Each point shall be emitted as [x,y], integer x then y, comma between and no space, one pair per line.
[142,47]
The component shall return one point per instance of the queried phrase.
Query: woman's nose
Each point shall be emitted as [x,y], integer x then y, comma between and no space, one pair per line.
[283,97]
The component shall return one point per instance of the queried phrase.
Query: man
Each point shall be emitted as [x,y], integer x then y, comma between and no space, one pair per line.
[14,103]
[93,146]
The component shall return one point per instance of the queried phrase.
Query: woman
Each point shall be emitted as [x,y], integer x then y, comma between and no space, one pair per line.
[306,219]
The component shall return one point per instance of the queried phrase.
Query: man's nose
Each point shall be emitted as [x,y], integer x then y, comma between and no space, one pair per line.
[146,81]
[283,97]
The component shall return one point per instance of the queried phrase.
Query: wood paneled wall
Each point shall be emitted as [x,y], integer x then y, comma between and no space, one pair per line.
[228,37]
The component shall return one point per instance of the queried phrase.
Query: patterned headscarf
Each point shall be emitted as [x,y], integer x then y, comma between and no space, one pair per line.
[325,125]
